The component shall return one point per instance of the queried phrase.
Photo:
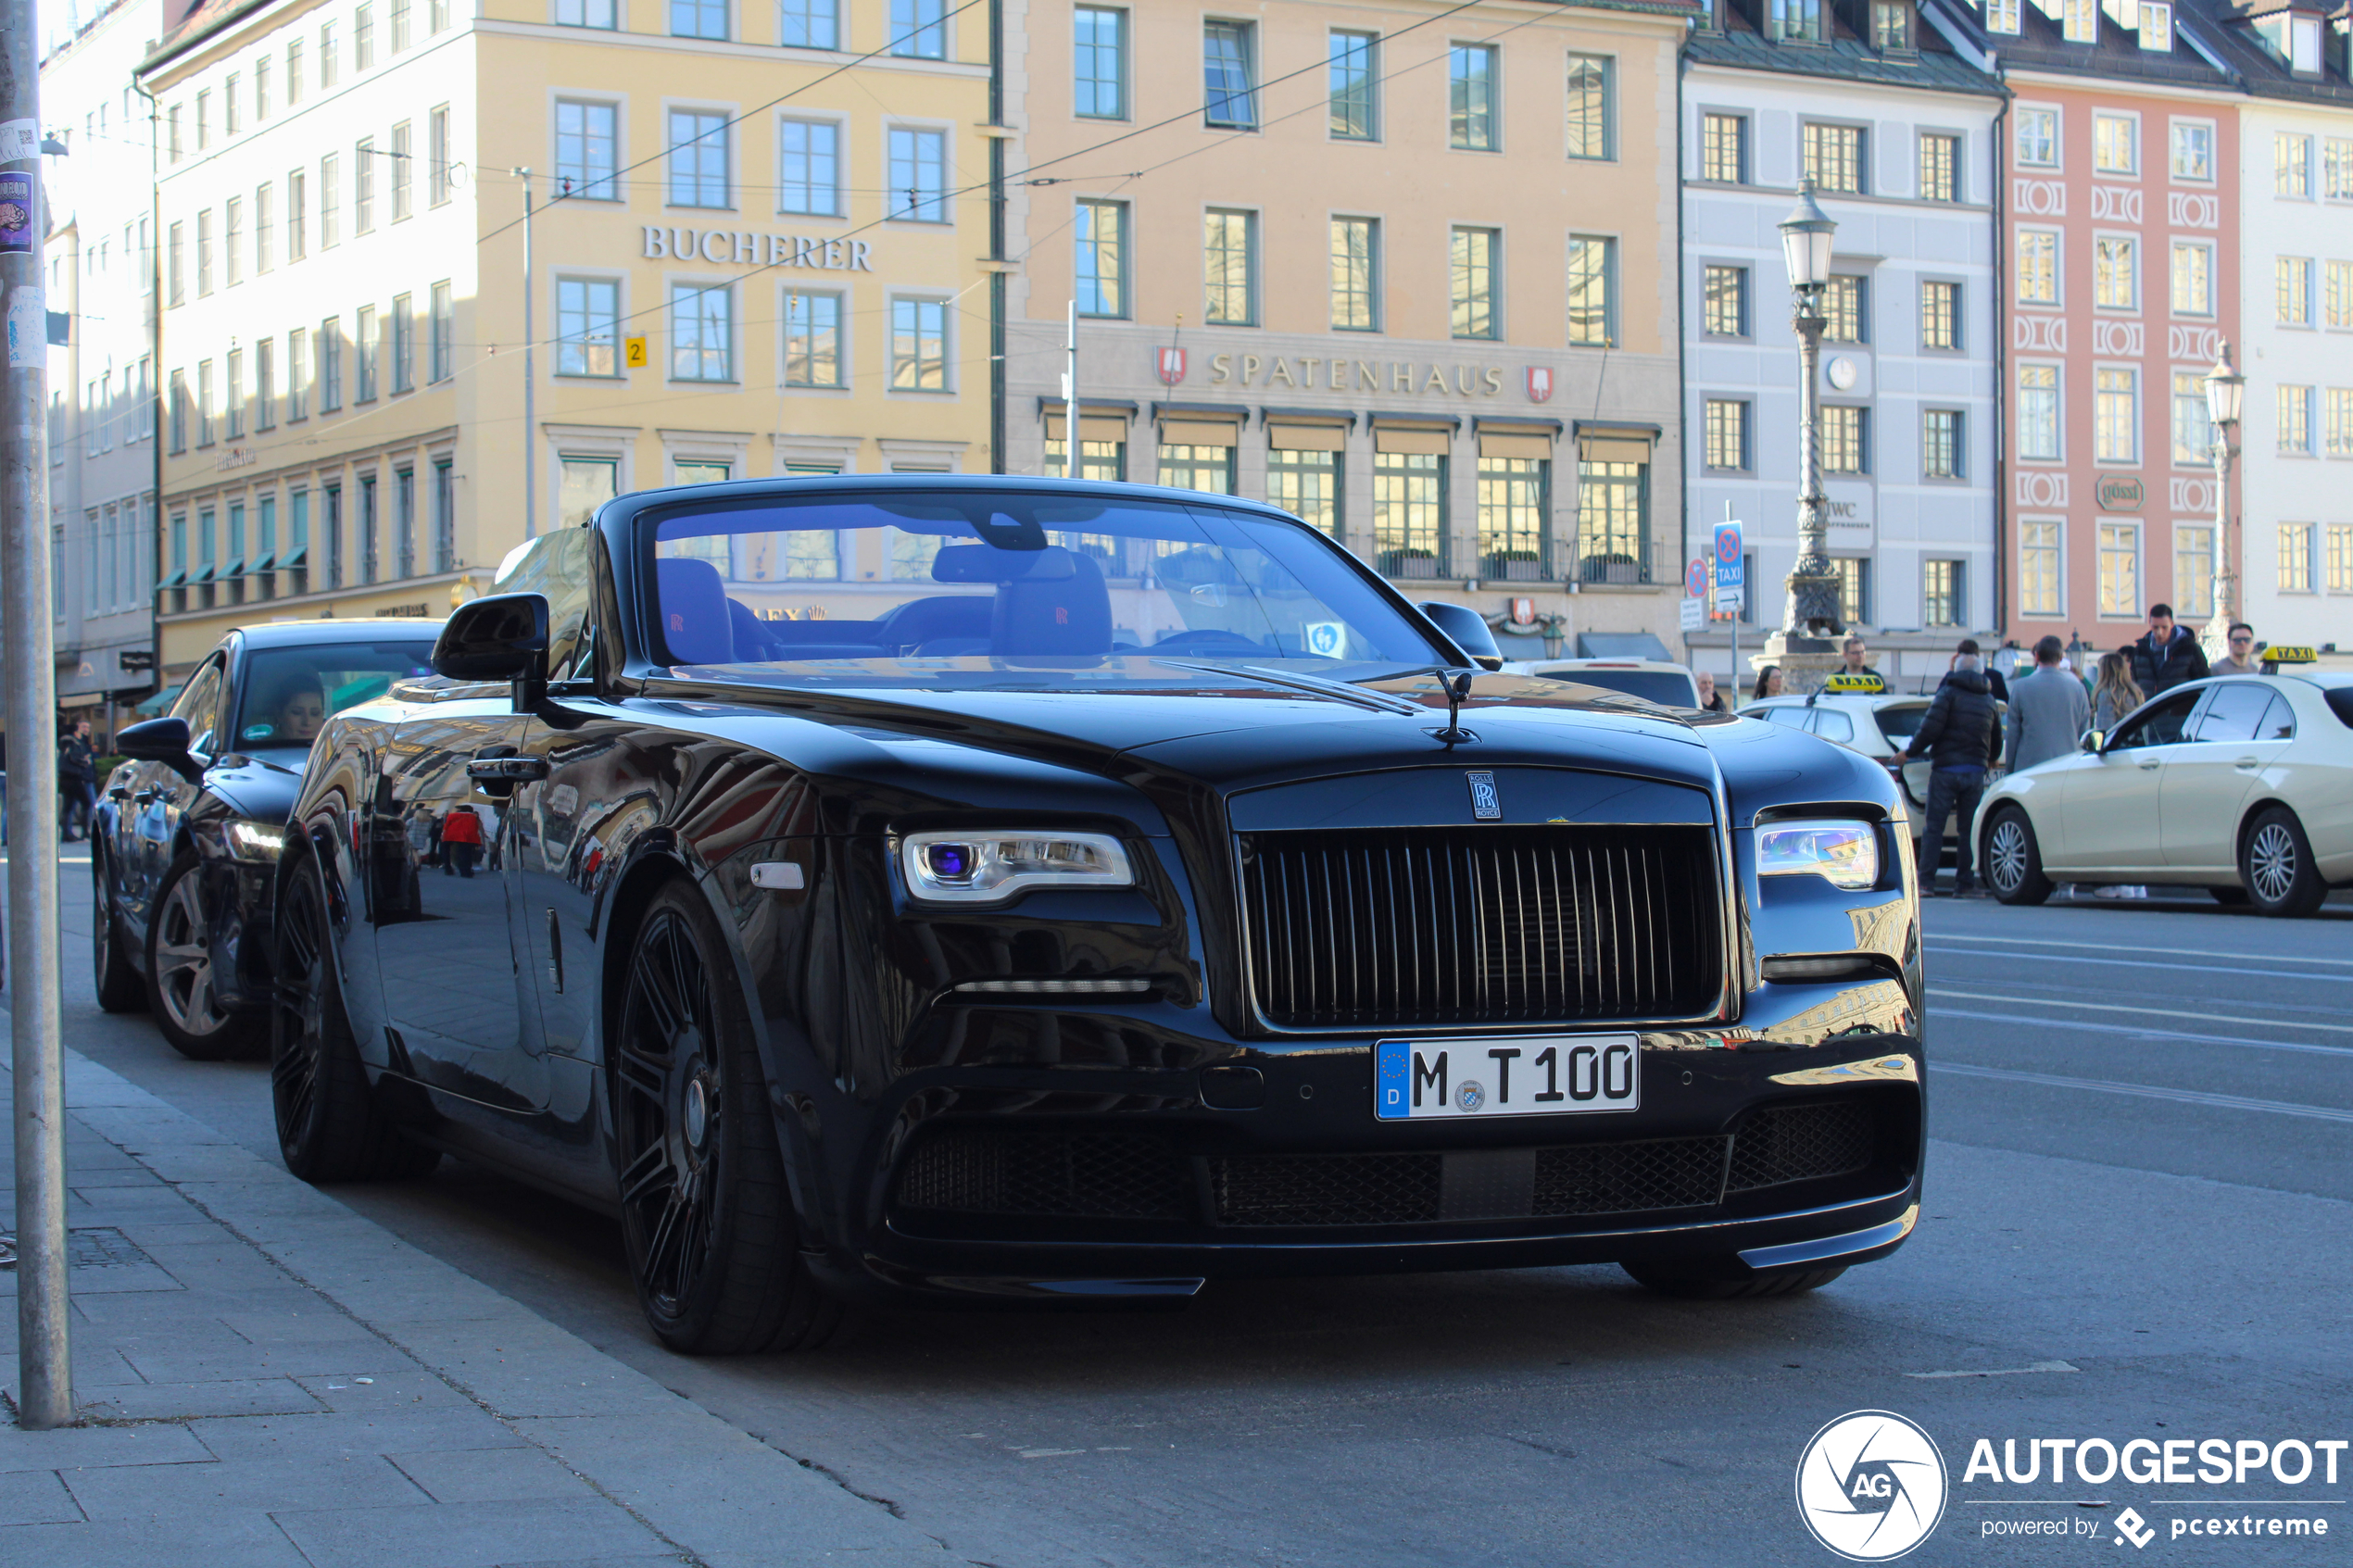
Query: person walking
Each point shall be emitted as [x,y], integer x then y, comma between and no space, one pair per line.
[2114,693]
[2048,710]
[1710,699]
[77,782]
[2241,660]
[1961,735]
[2168,656]
[460,841]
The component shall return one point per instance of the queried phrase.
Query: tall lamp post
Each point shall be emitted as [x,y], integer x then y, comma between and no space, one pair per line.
[1810,619]
[2225,392]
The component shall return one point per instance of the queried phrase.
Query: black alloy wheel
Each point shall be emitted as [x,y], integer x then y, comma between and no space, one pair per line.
[2277,869]
[706,1216]
[122,988]
[330,1127]
[1710,1287]
[2013,861]
[188,1011]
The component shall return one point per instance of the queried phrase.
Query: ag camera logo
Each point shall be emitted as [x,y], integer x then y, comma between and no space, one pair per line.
[1871,1485]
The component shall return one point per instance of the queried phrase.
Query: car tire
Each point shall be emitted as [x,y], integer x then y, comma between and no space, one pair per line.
[2276,866]
[706,1215]
[1710,1287]
[2230,897]
[179,978]
[330,1127]
[2013,859]
[122,988]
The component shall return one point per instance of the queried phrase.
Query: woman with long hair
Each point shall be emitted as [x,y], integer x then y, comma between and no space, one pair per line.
[1768,683]
[2114,693]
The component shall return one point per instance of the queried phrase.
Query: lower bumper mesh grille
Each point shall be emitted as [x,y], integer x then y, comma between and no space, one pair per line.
[1801,1143]
[993,1170]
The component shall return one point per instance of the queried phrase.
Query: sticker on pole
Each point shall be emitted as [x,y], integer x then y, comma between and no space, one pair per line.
[19,141]
[16,213]
[28,330]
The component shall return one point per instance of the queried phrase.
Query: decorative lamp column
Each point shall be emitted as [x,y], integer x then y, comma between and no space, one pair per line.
[2225,394]
[1804,645]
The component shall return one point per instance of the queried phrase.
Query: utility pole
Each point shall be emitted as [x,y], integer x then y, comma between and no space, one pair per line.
[44,1371]
[530,381]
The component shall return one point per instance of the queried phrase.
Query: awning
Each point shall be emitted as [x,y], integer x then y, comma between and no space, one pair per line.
[264,563]
[175,581]
[1622,644]
[234,569]
[293,557]
[201,574]
[82,699]
[161,701]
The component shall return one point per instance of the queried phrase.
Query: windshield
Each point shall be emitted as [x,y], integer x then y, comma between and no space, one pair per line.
[944,586]
[288,694]
[1668,688]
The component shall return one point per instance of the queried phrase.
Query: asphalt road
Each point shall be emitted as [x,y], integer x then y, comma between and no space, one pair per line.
[2137,1226]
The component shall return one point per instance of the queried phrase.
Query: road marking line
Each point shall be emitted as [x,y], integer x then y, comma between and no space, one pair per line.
[2002,1371]
[2110,946]
[1049,1453]
[2136,963]
[2096,1026]
[2109,1007]
[2148,1091]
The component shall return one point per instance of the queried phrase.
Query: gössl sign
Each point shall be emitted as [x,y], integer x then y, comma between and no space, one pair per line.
[1520,1075]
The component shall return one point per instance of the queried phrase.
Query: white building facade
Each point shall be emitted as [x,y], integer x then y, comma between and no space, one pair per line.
[1898,133]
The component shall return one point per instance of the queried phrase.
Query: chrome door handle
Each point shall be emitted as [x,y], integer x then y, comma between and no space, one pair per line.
[2151,767]
[507,769]
[2248,762]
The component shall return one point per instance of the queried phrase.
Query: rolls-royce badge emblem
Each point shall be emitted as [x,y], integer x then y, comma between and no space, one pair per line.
[1486,805]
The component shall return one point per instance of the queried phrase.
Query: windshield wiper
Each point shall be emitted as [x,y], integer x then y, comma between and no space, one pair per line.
[1376,701]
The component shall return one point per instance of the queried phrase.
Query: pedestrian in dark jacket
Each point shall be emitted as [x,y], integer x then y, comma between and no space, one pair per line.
[2166,656]
[1968,648]
[77,781]
[1961,736]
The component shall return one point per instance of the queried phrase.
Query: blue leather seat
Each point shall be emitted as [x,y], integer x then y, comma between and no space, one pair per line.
[696,623]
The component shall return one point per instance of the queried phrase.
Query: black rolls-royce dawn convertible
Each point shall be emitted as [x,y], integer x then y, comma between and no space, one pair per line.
[968,887]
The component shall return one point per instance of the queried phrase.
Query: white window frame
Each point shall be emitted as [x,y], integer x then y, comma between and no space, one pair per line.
[2058,138]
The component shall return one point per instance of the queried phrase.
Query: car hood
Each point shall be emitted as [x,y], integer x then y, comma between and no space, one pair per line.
[260,784]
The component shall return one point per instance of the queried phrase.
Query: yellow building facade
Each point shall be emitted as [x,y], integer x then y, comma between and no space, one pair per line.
[756,247]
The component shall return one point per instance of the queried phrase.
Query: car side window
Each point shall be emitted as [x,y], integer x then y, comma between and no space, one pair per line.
[2159,725]
[1830,724]
[1795,718]
[2278,722]
[2234,712]
[199,703]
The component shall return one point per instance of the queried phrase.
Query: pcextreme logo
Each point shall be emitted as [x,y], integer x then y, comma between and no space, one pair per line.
[1871,1485]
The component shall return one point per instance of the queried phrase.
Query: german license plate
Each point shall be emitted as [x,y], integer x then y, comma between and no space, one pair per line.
[1521,1075]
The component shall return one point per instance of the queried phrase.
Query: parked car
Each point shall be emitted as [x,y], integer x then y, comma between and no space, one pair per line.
[2243,786]
[1877,724]
[187,832]
[1670,685]
[1116,888]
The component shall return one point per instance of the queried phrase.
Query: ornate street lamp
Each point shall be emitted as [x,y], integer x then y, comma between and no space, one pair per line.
[2225,392]
[1810,617]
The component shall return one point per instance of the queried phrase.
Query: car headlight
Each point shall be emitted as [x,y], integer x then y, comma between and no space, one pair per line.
[976,867]
[1846,854]
[255,841]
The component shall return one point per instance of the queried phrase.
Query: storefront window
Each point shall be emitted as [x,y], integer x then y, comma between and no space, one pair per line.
[1097,459]
[1409,514]
[1511,519]
[1306,484]
[1613,507]
[1196,468]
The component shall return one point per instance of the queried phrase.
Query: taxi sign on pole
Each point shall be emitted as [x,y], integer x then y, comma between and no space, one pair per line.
[1731,576]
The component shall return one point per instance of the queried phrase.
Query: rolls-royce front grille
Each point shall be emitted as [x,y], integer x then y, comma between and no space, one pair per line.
[1403,928]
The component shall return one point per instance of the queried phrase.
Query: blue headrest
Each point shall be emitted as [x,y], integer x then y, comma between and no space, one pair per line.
[694,621]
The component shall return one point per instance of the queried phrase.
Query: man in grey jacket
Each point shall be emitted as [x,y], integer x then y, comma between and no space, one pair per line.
[2048,710]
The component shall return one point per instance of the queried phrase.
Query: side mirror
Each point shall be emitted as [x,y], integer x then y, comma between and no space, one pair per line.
[2091,740]
[1468,630]
[500,638]
[163,740]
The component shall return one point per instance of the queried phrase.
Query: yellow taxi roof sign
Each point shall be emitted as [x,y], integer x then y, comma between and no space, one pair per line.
[1846,682]
[2284,654]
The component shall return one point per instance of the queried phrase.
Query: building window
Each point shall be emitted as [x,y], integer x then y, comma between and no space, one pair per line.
[702,332]
[2193,428]
[2193,571]
[204,120]
[2116,415]
[1854,588]
[437,156]
[1409,514]
[330,365]
[1795,18]
[263,234]
[1103,257]
[1942,452]
[1355,274]
[2115,144]
[2336,168]
[1725,434]
[204,406]
[1613,521]
[2037,145]
[298,374]
[2291,164]
[1513,505]
[919,29]
[2337,294]
[2292,290]
[1723,148]
[2038,412]
[698,159]
[2193,278]
[588,13]
[1184,466]
[2037,267]
[1592,291]
[328,59]
[1845,306]
[233,215]
[233,395]
[364,38]
[2157,26]
[1592,116]
[370,351]
[2340,422]
[2115,273]
[2340,562]
[204,253]
[2120,568]
[919,175]
[1304,483]
[445,518]
[265,386]
[2193,150]
[1229,76]
[1099,68]
[2038,568]
[1939,167]
[812,338]
[1724,300]
[809,25]
[919,345]
[1230,262]
[698,18]
[174,266]
[1845,430]
[363,186]
[809,158]
[1940,315]
[1474,263]
[1943,600]
[330,193]
[400,185]
[1834,157]
[588,327]
[403,523]
[2080,21]
[1472,125]
[587,150]
[1891,25]
[2296,557]
[586,484]
[2296,422]
[1354,79]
